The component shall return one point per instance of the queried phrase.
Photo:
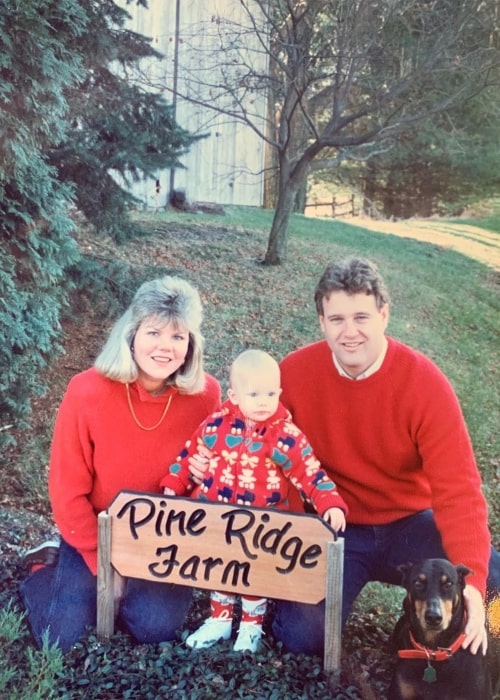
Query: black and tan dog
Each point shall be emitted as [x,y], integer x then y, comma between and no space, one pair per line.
[431,663]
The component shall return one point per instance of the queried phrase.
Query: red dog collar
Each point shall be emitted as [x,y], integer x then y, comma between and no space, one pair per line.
[419,651]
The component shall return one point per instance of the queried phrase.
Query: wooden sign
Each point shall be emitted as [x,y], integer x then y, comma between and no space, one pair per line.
[231,548]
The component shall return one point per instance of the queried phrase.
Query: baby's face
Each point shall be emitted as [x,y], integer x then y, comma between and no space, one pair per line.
[257,393]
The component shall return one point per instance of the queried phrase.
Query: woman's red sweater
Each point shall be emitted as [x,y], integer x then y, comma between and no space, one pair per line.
[98,449]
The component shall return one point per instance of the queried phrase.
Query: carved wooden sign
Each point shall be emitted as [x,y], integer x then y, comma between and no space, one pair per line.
[223,547]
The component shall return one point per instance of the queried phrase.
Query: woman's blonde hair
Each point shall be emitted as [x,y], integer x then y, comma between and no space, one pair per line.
[168,299]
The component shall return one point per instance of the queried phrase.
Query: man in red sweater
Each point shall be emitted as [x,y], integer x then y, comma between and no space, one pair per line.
[385,421]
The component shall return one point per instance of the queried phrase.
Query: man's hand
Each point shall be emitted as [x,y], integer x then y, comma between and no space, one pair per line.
[475,629]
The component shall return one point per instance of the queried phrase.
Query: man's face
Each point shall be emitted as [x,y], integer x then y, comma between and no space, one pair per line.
[355,329]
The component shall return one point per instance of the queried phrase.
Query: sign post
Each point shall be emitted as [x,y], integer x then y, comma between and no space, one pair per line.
[226,547]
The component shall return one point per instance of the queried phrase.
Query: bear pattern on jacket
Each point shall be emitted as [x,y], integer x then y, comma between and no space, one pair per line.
[254,463]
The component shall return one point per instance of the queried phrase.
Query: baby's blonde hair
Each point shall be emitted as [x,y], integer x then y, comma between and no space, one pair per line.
[251,361]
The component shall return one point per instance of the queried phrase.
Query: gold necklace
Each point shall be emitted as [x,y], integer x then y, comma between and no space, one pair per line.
[143,427]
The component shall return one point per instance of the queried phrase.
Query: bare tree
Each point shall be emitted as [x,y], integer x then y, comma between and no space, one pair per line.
[343,77]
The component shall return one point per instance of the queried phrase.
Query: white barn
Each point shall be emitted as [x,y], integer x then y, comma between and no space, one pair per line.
[227,167]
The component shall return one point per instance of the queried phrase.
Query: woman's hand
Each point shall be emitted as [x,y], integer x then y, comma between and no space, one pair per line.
[198,464]
[475,628]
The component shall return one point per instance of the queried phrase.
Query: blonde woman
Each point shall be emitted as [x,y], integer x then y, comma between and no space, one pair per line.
[118,425]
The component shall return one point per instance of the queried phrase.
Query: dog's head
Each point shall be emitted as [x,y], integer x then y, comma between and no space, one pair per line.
[434,600]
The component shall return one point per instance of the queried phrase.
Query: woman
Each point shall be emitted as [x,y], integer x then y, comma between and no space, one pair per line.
[120,424]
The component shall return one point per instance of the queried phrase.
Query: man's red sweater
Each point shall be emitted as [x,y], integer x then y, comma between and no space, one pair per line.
[99,450]
[395,443]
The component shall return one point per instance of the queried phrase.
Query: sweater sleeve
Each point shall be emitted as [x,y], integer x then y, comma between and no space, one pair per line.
[71,479]
[299,464]
[459,506]
[178,477]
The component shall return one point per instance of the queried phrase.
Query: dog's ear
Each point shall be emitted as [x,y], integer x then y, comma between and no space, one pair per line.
[408,605]
[404,570]
[462,572]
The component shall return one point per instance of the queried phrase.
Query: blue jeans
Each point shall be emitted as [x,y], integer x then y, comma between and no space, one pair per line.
[371,553]
[62,601]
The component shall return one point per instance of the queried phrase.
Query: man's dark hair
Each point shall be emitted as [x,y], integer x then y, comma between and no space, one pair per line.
[353,276]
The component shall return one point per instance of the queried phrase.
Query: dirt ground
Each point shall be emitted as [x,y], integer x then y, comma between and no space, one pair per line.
[476,243]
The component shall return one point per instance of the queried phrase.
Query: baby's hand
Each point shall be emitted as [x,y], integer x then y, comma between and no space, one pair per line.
[168,492]
[335,518]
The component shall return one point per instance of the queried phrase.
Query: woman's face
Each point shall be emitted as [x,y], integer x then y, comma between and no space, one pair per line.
[159,349]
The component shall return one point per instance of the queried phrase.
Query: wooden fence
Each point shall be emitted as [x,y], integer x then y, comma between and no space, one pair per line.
[334,207]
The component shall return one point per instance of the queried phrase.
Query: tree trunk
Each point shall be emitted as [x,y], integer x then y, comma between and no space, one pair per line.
[290,181]
[301,198]
[276,247]
[369,189]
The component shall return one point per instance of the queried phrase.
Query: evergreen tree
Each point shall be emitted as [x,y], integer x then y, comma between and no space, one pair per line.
[116,127]
[439,168]
[37,62]
[68,118]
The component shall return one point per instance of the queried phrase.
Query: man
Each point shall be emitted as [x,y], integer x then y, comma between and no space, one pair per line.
[387,427]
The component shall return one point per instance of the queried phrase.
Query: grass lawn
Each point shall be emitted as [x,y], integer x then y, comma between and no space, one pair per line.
[488,219]
[443,303]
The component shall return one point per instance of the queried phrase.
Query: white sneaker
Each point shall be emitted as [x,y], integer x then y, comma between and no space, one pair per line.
[211,631]
[248,638]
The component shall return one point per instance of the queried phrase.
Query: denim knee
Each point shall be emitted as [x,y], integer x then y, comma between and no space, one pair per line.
[493,583]
[60,600]
[300,627]
[154,612]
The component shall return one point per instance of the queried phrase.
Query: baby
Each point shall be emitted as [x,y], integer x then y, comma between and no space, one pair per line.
[256,452]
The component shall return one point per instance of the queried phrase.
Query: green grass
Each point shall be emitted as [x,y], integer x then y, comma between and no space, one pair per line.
[36,677]
[489,220]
